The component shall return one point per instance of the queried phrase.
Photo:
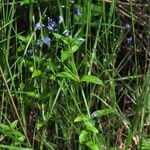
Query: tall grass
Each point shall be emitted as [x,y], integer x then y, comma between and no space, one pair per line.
[74,84]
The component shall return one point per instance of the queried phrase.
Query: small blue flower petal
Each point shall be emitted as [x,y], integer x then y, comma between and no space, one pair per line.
[37,43]
[94,114]
[127,26]
[72,1]
[78,12]
[66,32]
[129,40]
[38,26]
[46,40]
[61,19]
[52,25]
[30,51]
[50,28]
[80,40]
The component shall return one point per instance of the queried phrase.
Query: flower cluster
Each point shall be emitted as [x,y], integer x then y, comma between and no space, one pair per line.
[52,26]
[44,40]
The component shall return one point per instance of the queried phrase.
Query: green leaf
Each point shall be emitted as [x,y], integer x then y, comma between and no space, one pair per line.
[39,125]
[36,73]
[76,43]
[5,127]
[96,9]
[14,124]
[91,79]
[146,144]
[17,134]
[90,127]
[68,53]
[21,48]
[60,37]
[92,145]
[14,147]
[33,94]
[83,136]
[74,46]
[65,55]
[81,118]
[22,38]
[21,138]
[24,2]
[68,75]
[103,112]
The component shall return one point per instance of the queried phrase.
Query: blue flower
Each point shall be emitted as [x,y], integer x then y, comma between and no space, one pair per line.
[66,32]
[94,114]
[52,25]
[78,12]
[80,40]
[128,26]
[30,51]
[46,40]
[37,43]
[72,1]
[129,40]
[61,19]
[38,26]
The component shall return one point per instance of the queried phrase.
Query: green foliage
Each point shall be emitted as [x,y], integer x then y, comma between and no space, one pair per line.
[72,45]
[12,132]
[88,134]
[28,2]
[103,112]
[92,145]
[91,79]
[13,147]
[146,144]
[87,88]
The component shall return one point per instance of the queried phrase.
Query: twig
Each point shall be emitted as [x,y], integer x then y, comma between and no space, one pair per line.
[14,106]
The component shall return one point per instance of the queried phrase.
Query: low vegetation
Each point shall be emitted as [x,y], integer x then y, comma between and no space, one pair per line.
[74,75]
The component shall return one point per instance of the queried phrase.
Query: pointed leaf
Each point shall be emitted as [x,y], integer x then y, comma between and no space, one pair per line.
[5,127]
[146,144]
[81,118]
[90,127]
[21,48]
[65,55]
[33,94]
[24,2]
[14,124]
[74,46]
[22,38]
[92,145]
[103,112]
[60,37]
[36,73]
[17,134]
[68,75]
[83,136]
[13,147]
[91,79]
